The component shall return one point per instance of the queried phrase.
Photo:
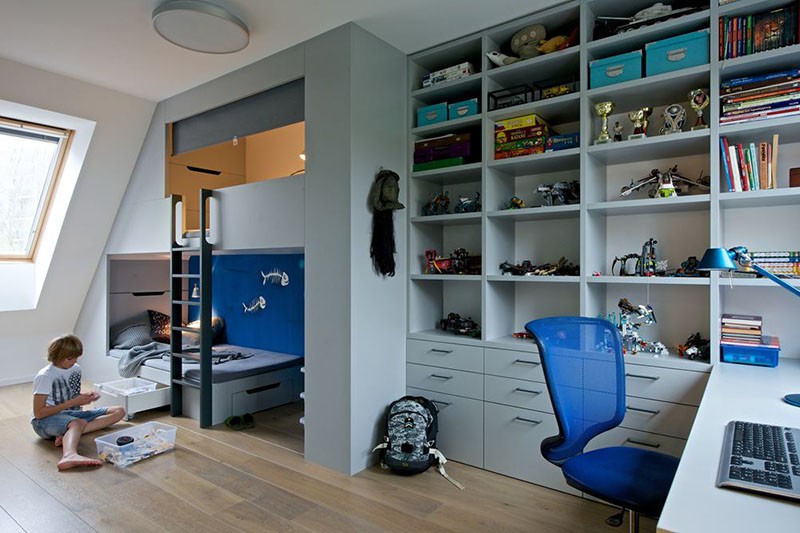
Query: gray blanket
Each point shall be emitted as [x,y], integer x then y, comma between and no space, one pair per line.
[129,363]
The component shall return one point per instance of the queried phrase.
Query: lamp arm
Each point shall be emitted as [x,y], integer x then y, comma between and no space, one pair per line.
[776,279]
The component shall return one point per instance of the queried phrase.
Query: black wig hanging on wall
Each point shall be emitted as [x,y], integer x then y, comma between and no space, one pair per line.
[383,201]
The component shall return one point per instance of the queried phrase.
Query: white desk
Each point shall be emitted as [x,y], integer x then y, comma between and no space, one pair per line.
[734,392]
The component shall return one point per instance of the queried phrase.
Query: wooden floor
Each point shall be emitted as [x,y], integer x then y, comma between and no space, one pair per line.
[257,480]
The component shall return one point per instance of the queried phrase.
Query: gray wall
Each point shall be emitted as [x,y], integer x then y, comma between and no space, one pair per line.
[355,321]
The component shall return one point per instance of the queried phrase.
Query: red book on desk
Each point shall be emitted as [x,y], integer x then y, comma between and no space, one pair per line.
[765,341]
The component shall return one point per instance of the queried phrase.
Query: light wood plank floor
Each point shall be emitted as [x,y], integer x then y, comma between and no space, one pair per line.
[219,480]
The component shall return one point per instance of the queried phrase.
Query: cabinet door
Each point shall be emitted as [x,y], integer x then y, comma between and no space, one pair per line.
[512,440]
[455,356]
[668,384]
[468,384]
[517,393]
[460,435]
[620,436]
[664,418]
[512,364]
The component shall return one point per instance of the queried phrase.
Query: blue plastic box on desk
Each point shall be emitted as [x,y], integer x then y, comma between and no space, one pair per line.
[764,354]
[676,53]
[615,69]
[432,114]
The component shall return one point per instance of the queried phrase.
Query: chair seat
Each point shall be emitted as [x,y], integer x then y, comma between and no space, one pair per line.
[632,478]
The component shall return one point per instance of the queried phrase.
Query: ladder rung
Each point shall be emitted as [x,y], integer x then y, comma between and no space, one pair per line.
[191,384]
[186,302]
[185,248]
[184,328]
[190,276]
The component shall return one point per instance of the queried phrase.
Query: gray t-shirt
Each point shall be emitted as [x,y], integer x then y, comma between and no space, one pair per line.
[59,384]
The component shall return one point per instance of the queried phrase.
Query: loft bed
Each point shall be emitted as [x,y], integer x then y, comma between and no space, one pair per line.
[253,363]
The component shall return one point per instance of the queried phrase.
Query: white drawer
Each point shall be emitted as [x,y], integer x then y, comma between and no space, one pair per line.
[653,416]
[445,380]
[460,436]
[620,436]
[512,440]
[134,403]
[668,384]
[455,356]
[517,393]
[511,364]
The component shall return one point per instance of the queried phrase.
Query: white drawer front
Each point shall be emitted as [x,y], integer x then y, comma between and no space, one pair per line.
[445,380]
[460,436]
[620,436]
[138,402]
[668,384]
[511,364]
[513,437]
[659,417]
[517,393]
[455,356]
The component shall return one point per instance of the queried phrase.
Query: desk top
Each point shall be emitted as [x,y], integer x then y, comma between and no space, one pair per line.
[734,392]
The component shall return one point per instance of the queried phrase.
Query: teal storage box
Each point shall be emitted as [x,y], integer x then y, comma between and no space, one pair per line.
[616,69]
[676,53]
[463,109]
[431,114]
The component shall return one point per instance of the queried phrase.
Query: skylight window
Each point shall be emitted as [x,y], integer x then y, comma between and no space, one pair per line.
[31,157]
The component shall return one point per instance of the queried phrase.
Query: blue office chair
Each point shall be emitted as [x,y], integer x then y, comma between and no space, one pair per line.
[585,374]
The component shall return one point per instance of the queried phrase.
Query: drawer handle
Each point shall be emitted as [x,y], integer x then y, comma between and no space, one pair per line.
[651,378]
[614,71]
[438,350]
[676,55]
[528,420]
[648,444]
[440,402]
[640,410]
[520,389]
[437,376]
[525,362]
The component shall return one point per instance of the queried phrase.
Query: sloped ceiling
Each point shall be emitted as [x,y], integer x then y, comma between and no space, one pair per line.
[111,43]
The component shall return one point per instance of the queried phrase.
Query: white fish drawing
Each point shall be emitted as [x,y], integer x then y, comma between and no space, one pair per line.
[255,305]
[275,276]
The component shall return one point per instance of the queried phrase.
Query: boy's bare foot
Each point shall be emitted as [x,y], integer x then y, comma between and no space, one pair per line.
[71,461]
[59,440]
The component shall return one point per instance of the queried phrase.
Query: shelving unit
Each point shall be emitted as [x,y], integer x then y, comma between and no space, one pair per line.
[603,226]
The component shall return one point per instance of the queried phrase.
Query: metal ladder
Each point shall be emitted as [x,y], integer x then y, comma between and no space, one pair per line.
[178,304]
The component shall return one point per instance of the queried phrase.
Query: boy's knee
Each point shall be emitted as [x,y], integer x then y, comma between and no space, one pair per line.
[78,423]
[118,412]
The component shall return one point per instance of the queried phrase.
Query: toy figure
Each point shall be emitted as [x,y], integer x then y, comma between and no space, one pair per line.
[646,265]
[460,326]
[663,185]
[560,193]
[439,205]
[696,347]
[631,317]
[623,262]
[467,205]
[617,131]
[515,203]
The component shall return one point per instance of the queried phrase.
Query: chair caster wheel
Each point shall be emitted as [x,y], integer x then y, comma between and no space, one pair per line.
[615,520]
[128,418]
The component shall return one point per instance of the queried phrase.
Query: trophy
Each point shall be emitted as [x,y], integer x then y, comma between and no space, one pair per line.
[640,122]
[603,109]
[674,119]
[698,99]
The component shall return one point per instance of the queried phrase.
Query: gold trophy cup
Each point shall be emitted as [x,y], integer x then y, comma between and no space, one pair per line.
[603,109]
[640,117]
[699,100]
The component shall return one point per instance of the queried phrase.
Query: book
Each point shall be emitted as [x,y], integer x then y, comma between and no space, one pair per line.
[763,107]
[747,82]
[762,165]
[760,101]
[765,341]
[767,90]
[726,164]
[758,115]
[746,320]
[754,167]
[774,175]
[742,168]
[734,159]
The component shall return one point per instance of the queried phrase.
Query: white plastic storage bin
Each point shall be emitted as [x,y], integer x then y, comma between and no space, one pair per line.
[134,394]
[151,438]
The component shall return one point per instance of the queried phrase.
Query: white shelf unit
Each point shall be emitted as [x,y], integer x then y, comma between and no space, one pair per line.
[604,225]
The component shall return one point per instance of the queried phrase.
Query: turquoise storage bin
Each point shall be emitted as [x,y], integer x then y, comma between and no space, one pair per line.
[463,109]
[432,114]
[676,53]
[616,69]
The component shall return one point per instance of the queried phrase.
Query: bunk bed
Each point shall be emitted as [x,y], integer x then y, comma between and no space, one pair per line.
[211,377]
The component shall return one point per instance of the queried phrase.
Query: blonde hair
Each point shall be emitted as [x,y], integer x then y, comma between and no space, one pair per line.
[64,347]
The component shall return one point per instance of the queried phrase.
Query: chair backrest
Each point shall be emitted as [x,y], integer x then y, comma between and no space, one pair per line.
[585,374]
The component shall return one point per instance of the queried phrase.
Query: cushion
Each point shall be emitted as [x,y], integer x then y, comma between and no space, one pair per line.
[159,326]
[133,335]
[138,319]
[217,324]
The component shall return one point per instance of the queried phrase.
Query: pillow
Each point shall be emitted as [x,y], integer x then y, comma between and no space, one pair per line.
[139,319]
[134,335]
[159,326]
[194,338]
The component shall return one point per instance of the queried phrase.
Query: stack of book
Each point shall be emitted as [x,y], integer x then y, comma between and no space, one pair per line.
[780,263]
[759,32]
[742,341]
[750,167]
[776,94]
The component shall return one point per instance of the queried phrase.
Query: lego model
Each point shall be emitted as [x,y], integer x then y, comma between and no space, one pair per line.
[560,193]
[438,205]
[631,318]
[460,326]
[468,205]
[663,185]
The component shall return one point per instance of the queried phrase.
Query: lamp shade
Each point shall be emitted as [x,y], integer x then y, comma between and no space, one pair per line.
[716,259]
[200,26]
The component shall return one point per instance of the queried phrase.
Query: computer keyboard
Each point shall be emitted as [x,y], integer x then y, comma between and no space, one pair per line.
[760,458]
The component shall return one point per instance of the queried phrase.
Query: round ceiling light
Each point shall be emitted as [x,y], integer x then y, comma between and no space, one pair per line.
[200,26]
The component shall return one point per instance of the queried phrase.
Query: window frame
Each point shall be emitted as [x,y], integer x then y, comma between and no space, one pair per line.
[65,137]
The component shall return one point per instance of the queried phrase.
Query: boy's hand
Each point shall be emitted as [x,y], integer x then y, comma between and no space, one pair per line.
[84,398]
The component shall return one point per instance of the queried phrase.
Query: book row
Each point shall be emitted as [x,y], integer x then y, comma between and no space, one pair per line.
[759,32]
[750,167]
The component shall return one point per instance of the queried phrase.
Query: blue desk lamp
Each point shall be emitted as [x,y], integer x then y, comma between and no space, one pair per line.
[722,259]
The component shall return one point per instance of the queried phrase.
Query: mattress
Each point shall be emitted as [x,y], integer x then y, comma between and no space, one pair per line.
[259,362]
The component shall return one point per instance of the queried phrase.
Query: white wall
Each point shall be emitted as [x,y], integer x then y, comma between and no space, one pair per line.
[355,321]
[120,125]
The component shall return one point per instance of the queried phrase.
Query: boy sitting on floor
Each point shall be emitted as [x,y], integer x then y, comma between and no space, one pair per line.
[57,401]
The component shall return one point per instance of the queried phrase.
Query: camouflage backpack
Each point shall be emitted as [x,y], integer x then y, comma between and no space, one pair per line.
[409,445]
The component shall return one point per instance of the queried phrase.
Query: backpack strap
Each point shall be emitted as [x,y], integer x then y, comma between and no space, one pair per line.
[441,461]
